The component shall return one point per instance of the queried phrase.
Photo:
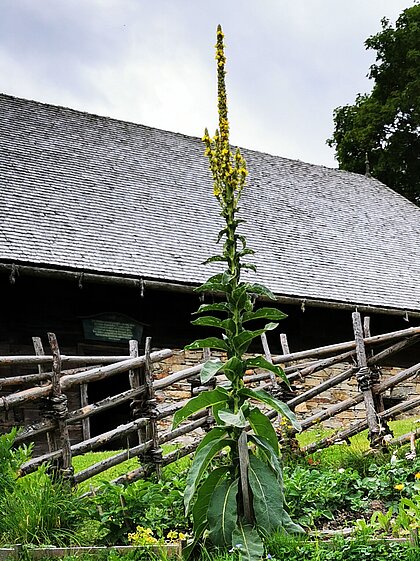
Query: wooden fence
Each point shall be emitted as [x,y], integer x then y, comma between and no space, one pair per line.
[51,384]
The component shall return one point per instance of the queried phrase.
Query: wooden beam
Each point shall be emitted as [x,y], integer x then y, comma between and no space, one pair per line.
[92,375]
[365,384]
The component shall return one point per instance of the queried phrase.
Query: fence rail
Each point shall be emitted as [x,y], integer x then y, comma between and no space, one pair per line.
[54,386]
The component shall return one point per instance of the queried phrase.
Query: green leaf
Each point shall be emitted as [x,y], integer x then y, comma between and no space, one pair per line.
[239,296]
[272,456]
[262,426]
[211,286]
[221,234]
[260,290]
[216,307]
[208,448]
[276,404]
[267,498]
[229,326]
[261,362]
[246,251]
[210,342]
[222,513]
[247,541]
[204,493]
[242,341]
[201,401]
[214,258]
[242,239]
[215,434]
[233,368]
[232,419]
[271,314]
[208,321]
[210,369]
[219,282]
[249,266]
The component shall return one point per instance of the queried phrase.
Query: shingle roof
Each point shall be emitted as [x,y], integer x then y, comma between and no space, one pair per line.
[91,193]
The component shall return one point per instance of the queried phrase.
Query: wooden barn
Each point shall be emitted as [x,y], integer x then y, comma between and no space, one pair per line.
[104,226]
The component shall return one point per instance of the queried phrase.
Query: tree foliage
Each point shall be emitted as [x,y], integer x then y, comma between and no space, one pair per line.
[383,127]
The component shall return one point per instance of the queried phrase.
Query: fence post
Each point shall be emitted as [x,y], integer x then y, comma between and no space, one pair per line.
[155,453]
[365,383]
[376,375]
[59,410]
[269,358]
[134,379]
[39,351]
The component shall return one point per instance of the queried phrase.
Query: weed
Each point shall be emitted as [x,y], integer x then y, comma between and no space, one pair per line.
[39,511]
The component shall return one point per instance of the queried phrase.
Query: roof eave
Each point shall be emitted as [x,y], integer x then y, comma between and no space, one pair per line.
[15,269]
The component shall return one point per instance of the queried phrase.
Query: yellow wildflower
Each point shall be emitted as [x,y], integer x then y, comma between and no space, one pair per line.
[399,486]
[417,476]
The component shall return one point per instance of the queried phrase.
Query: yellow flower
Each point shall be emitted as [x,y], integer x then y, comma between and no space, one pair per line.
[182,536]
[417,476]
[399,486]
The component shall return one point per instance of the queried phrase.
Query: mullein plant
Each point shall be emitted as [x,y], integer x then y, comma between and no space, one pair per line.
[235,501]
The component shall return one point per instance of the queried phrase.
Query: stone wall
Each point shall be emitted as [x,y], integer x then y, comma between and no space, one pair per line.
[182,390]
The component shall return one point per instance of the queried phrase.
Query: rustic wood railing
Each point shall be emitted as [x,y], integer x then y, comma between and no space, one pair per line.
[51,384]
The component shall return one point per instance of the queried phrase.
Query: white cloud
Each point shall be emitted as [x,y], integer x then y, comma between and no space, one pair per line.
[290,62]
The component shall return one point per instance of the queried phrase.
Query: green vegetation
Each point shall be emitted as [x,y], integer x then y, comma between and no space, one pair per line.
[376,495]
[385,124]
[241,498]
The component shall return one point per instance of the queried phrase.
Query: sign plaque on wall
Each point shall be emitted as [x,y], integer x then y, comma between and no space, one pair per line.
[114,328]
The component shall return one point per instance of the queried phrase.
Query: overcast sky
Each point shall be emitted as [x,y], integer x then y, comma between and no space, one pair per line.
[290,63]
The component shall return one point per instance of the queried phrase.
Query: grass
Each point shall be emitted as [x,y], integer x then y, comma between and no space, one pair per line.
[86,460]
[339,454]
[317,492]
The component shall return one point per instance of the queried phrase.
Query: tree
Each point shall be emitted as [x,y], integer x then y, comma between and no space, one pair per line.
[383,128]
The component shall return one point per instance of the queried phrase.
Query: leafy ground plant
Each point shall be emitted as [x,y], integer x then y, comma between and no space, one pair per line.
[295,548]
[11,458]
[39,510]
[239,501]
[120,510]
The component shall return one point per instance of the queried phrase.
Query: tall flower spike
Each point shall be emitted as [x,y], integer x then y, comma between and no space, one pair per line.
[228,169]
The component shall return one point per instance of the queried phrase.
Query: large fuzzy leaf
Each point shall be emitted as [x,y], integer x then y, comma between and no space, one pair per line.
[210,369]
[222,513]
[246,539]
[262,426]
[260,290]
[267,497]
[271,314]
[209,343]
[218,283]
[277,405]
[201,505]
[239,296]
[265,448]
[242,341]
[201,401]
[232,419]
[203,456]
[233,368]
[268,501]
[216,307]
[208,321]
[261,362]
